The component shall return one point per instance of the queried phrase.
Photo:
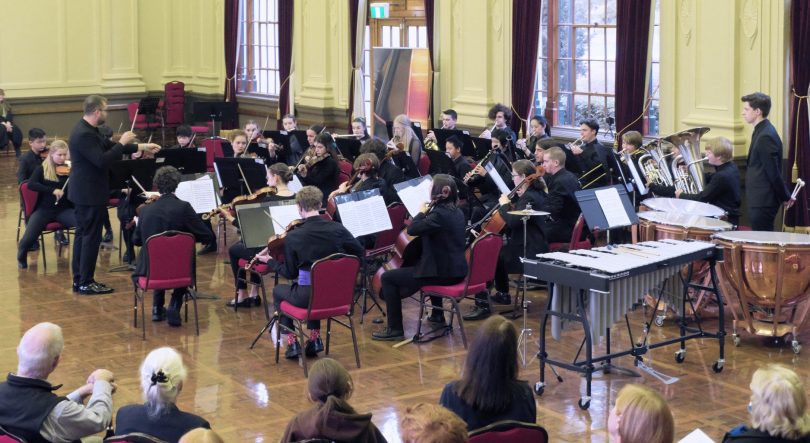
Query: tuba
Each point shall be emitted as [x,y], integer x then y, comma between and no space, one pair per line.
[687,167]
[653,164]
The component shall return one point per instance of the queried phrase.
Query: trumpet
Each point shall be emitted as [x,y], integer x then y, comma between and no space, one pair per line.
[578,143]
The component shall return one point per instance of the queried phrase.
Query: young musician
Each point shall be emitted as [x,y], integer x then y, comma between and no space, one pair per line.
[538,130]
[184,137]
[255,137]
[591,156]
[723,188]
[477,177]
[320,169]
[366,166]
[312,133]
[449,119]
[529,192]
[91,156]
[238,139]
[52,204]
[441,227]
[167,213]
[561,204]
[500,115]
[360,130]
[33,158]
[411,146]
[453,146]
[313,240]
[278,175]
[8,130]
[388,171]
[296,150]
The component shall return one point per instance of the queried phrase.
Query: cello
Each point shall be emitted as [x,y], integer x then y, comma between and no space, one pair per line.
[493,222]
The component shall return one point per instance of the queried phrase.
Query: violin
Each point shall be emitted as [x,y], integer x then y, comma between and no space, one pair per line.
[151,199]
[255,197]
[276,242]
[62,170]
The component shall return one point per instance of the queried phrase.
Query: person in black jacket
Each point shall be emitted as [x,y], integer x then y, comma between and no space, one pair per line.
[8,130]
[561,204]
[388,170]
[314,239]
[31,159]
[531,193]
[91,156]
[453,146]
[321,169]
[592,156]
[52,205]
[167,213]
[290,124]
[778,409]
[722,188]
[764,188]
[441,228]
[478,177]
[366,166]
[161,376]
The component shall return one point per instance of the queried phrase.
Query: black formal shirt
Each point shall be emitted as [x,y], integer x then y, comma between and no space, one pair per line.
[534,225]
[561,204]
[443,242]
[723,189]
[764,186]
[461,167]
[27,164]
[45,188]
[322,175]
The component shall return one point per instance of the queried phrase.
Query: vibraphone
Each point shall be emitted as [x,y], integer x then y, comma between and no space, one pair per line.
[596,287]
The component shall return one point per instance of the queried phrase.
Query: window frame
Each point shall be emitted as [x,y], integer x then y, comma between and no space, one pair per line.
[247,66]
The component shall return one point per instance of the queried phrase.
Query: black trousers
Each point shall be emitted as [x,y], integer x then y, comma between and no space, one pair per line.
[235,252]
[297,296]
[89,223]
[159,298]
[400,283]
[37,222]
[761,217]
[15,136]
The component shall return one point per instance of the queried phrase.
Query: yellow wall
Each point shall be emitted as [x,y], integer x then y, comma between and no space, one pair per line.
[77,47]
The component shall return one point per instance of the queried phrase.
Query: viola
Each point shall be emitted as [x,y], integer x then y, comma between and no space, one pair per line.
[353,182]
[276,242]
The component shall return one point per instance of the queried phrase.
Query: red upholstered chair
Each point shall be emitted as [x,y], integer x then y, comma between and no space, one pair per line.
[333,281]
[7,437]
[213,149]
[481,261]
[509,431]
[344,172]
[170,263]
[29,202]
[140,121]
[424,164]
[134,437]
[174,103]
[575,242]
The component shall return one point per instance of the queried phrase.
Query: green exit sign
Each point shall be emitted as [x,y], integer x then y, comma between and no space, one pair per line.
[379,10]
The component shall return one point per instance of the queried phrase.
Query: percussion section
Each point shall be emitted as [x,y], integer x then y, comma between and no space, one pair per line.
[687,207]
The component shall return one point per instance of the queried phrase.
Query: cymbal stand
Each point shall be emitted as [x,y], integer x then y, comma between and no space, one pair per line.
[524,337]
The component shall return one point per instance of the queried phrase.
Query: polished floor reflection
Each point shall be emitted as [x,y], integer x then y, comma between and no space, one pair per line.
[247,397]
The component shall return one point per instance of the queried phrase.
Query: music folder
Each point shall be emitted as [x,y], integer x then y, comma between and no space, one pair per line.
[301,136]
[349,147]
[363,212]
[440,162]
[414,193]
[480,146]
[199,192]
[607,207]
[260,221]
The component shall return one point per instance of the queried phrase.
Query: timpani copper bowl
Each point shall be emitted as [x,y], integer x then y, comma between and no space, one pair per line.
[678,206]
[769,275]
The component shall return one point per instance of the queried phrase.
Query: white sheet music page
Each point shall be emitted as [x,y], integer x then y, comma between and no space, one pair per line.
[413,197]
[295,184]
[199,193]
[696,436]
[611,204]
[364,213]
[283,215]
[496,177]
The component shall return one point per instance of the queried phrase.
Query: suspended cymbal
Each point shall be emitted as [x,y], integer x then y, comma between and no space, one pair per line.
[528,213]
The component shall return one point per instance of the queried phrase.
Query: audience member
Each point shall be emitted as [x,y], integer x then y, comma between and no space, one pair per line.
[778,409]
[30,409]
[489,390]
[201,435]
[429,423]
[330,386]
[641,415]
[162,376]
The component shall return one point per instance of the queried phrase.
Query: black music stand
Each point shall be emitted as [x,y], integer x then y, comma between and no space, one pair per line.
[443,134]
[480,146]
[123,174]
[215,112]
[594,213]
[349,147]
[259,149]
[186,160]
[148,107]
[301,136]
[440,163]
[281,138]
[229,176]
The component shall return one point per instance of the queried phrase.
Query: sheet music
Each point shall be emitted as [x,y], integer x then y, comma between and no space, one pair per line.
[295,184]
[612,206]
[216,171]
[414,193]
[696,436]
[496,177]
[283,215]
[364,213]
[200,193]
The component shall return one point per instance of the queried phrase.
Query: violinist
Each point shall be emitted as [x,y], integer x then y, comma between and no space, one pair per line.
[167,213]
[531,190]
[320,169]
[289,123]
[8,130]
[255,137]
[406,145]
[388,171]
[311,241]
[312,133]
[49,180]
[31,159]
[278,176]
[366,178]
[184,137]
[239,143]
[360,130]
[442,261]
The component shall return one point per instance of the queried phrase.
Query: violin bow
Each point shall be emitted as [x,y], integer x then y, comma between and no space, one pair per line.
[63,190]
[247,185]
[134,120]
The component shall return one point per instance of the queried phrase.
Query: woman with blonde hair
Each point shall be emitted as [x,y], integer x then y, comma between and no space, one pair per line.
[50,180]
[405,141]
[640,415]
[330,387]
[778,409]
[162,376]
[429,423]
[201,435]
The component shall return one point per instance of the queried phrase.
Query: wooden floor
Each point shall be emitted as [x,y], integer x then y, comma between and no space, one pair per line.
[247,397]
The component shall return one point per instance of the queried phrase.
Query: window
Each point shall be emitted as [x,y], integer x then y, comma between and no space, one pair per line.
[578,47]
[651,122]
[257,68]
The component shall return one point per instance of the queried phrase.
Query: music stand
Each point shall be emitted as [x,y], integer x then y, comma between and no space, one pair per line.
[229,176]
[480,146]
[348,147]
[301,136]
[440,163]
[148,107]
[443,134]
[215,112]
[123,174]
[281,138]
[260,149]
[187,161]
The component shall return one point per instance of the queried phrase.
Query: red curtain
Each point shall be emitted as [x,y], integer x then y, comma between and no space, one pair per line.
[285,37]
[632,39]
[799,137]
[231,53]
[429,11]
[525,38]
[353,5]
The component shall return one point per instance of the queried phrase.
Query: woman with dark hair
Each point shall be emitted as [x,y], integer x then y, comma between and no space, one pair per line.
[321,168]
[489,390]
[531,193]
[359,129]
[278,175]
[539,129]
[441,227]
[332,418]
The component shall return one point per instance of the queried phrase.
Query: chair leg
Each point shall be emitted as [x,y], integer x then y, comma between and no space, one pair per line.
[42,251]
[193,295]
[354,341]
[457,312]
[328,334]
[421,314]
[264,299]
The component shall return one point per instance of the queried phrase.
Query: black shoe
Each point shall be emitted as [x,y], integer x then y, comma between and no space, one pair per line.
[94,289]
[502,298]
[60,239]
[34,247]
[75,286]
[158,313]
[107,237]
[208,249]
[477,313]
[293,351]
[127,258]
[257,301]
[244,303]
[437,317]
[173,317]
[388,334]
[101,285]
[312,348]
[22,264]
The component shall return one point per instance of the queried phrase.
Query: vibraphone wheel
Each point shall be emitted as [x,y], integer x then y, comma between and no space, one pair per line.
[680,355]
[539,387]
[717,367]
[797,348]
[584,403]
